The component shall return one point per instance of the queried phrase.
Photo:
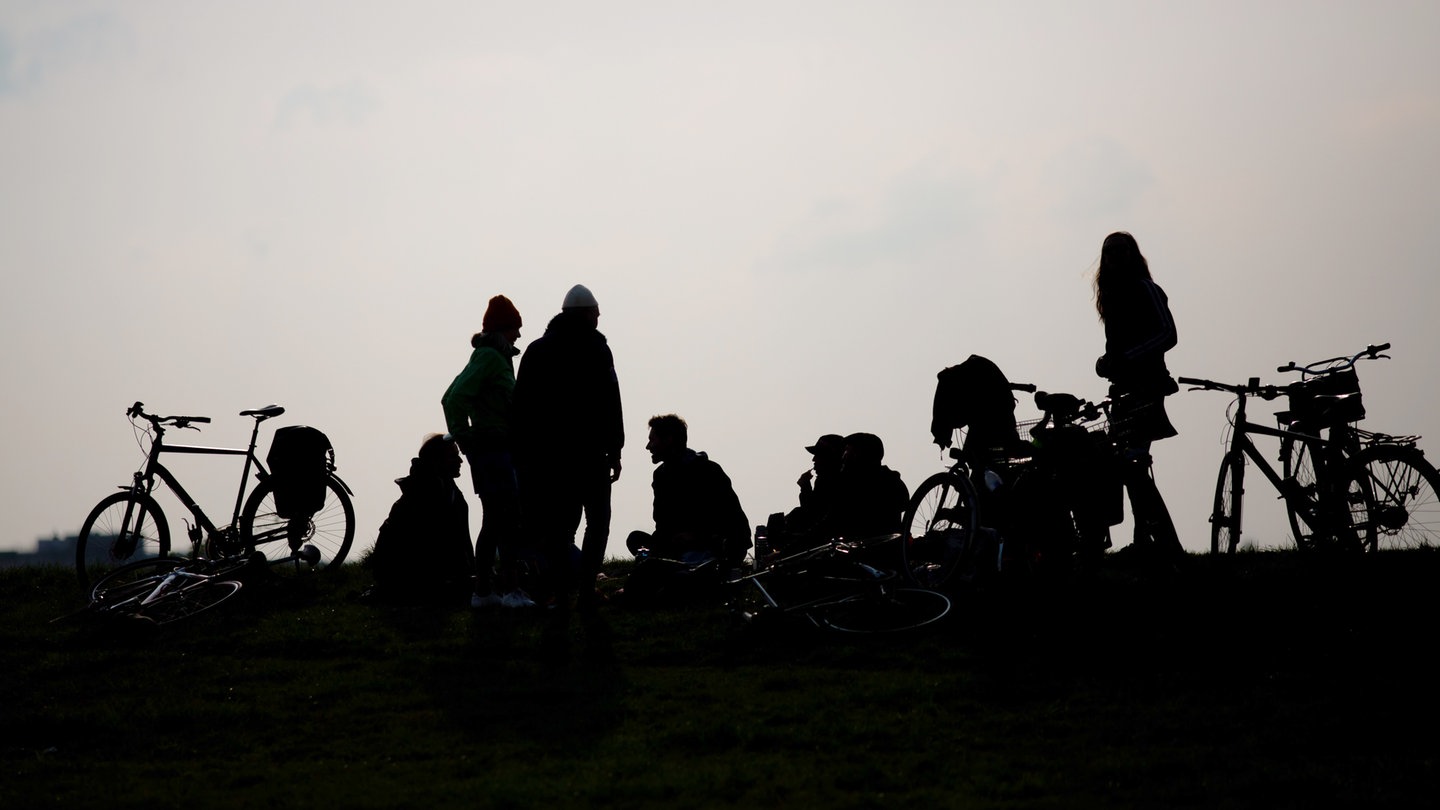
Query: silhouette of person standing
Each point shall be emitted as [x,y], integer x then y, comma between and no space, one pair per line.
[571,432]
[478,414]
[1138,332]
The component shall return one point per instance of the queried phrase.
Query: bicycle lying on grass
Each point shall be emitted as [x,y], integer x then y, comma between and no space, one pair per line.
[130,525]
[162,590]
[1343,487]
[833,588]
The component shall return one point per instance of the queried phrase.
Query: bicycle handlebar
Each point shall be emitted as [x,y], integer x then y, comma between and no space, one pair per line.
[138,410]
[1371,352]
[1251,388]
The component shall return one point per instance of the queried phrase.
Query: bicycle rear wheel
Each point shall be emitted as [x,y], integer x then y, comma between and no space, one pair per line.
[330,530]
[187,600]
[1229,497]
[886,610]
[1403,505]
[123,527]
[940,536]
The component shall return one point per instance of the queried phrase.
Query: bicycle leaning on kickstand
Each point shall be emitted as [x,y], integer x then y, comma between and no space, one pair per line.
[130,526]
[1343,487]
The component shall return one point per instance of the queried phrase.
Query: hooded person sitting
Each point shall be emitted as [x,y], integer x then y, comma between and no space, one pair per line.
[423,551]
[872,497]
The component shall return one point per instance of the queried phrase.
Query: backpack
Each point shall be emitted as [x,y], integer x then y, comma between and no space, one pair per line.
[300,460]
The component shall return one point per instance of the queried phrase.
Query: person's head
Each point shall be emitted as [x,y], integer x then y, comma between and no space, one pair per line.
[863,450]
[581,304]
[502,318]
[668,436]
[1121,262]
[828,451]
[438,451]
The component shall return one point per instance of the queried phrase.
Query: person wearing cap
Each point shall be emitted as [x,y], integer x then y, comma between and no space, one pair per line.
[478,414]
[818,488]
[570,431]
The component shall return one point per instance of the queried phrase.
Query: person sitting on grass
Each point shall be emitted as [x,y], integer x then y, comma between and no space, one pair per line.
[423,554]
[697,514]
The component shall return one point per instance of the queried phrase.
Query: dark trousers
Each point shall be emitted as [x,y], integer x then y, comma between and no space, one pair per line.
[493,473]
[556,498]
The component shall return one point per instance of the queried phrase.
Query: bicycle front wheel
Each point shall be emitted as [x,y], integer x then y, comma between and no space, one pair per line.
[330,530]
[1229,497]
[122,589]
[187,600]
[123,527]
[940,525]
[888,610]
[1401,486]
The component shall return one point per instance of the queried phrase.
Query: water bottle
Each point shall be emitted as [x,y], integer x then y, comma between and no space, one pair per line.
[762,547]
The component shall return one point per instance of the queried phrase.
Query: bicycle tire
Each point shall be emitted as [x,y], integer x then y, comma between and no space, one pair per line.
[1229,500]
[188,600]
[885,610]
[1296,465]
[111,592]
[1403,489]
[940,531]
[331,530]
[124,526]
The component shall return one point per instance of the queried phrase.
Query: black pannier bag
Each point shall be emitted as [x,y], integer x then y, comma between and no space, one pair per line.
[300,460]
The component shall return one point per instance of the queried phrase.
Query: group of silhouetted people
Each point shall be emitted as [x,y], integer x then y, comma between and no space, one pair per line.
[543,446]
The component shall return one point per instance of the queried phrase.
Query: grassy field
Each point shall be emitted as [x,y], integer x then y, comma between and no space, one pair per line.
[1270,681]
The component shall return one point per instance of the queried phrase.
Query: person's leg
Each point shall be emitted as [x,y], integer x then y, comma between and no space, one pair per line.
[1153,525]
[499,492]
[596,497]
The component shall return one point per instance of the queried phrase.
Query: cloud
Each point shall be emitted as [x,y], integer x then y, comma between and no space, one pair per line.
[349,104]
[917,217]
[1096,177]
[30,60]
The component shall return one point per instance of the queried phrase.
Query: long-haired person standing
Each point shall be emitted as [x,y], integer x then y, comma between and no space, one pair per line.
[1138,332]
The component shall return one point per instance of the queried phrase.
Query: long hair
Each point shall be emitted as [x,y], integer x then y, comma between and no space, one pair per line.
[1121,263]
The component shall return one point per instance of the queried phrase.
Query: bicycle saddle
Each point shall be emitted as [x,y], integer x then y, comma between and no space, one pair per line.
[265,412]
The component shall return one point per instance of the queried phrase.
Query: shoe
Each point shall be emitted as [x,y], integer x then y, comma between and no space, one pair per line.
[488,600]
[517,599]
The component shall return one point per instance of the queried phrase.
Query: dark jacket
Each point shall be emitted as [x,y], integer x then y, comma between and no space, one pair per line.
[974,394]
[871,502]
[567,397]
[693,496]
[1138,332]
[423,551]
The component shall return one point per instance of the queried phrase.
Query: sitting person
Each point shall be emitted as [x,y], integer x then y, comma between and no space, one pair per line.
[697,514]
[819,486]
[871,499]
[423,553]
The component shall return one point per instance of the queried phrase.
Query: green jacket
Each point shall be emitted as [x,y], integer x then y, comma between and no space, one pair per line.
[477,403]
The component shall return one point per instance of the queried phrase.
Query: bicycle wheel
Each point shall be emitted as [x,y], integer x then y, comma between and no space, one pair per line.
[940,536]
[330,530]
[1403,507]
[185,601]
[1296,465]
[1229,497]
[123,527]
[132,581]
[886,610]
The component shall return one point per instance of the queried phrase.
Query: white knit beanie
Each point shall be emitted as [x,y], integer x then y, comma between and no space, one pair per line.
[579,296]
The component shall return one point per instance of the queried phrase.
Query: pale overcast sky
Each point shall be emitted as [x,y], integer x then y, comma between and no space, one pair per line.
[793,215]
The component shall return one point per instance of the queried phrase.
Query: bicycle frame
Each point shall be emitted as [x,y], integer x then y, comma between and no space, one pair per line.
[1240,441]
[144,480]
